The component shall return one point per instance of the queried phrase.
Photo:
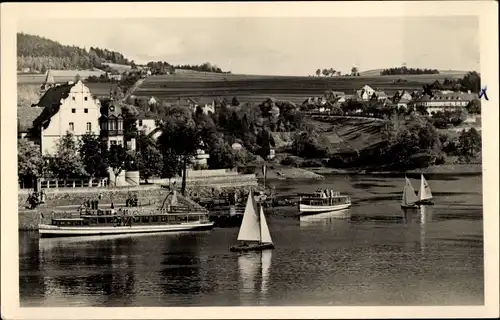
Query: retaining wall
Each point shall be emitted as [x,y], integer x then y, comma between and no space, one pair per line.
[69,199]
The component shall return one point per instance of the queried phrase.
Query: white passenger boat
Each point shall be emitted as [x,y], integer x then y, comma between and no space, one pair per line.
[129,220]
[323,201]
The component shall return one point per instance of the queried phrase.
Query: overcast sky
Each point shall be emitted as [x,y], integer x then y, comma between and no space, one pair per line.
[279,46]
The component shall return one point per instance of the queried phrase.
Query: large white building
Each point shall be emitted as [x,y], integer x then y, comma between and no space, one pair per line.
[66,107]
[445,100]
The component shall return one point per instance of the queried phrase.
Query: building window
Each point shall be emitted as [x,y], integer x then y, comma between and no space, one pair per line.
[86,110]
[73,98]
[71,126]
[120,124]
[140,123]
[113,142]
[112,125]
[73,110]
[86,98]
[157,123]
[89,126]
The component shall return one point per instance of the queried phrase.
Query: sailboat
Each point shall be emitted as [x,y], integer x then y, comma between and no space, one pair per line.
[409,199]
[425,194]
[253,229]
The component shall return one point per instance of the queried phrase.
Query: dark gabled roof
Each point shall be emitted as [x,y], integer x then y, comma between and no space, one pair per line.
[54,95]
[26,116]
[51,102]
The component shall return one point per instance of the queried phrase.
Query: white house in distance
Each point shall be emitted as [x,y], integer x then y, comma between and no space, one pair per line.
[66,107]
[365,93]
[147,123]
[445,100]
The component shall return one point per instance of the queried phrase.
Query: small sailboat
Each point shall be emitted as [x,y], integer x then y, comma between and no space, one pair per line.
[253,229]
[409,199]
[425,194]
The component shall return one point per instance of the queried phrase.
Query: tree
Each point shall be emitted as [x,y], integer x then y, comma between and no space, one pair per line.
[469,143]
[117,159]
[354,71]
[180,137]
[471,81]
[29,160]
[94,155]
[325,72]
[332,72]
[148,157]
[474,107]
[67,162]
[235,102]
[318,72]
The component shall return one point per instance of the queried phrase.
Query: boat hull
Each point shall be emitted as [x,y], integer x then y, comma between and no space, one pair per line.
[47,231]
[414,206]
[425,202]
[305,209]
[257,247]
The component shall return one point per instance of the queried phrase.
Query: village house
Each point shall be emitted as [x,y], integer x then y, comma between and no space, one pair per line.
[365,93]
[111,124]
[147,123]
[206,105]
[66,107]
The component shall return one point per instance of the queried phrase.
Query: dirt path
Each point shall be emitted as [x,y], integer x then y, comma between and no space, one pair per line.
[134,87]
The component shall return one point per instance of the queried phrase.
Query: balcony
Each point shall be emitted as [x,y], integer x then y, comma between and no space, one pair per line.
[111,132]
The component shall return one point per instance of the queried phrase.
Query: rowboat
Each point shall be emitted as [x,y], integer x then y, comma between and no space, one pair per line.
[168,218]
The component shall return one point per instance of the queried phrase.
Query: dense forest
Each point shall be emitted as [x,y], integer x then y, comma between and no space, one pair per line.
[39,54]
[405,70]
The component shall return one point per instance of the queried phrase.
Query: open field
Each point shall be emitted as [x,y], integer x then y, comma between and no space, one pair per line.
[118,67]
[97,89]
[59,76]
[258,87]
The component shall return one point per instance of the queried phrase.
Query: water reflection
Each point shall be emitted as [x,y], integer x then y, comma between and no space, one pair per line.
[254,271]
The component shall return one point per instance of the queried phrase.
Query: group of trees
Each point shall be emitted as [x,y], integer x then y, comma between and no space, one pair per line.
[39,54]
[404,70]
[328,72]
[160,67]
[469,82]
[205,67]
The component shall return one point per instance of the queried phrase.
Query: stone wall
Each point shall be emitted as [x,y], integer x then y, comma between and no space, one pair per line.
[65,201]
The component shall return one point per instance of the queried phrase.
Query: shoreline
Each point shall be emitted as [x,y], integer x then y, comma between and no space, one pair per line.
[451,169]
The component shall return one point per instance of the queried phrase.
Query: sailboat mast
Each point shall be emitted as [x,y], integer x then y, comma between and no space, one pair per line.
[260,226]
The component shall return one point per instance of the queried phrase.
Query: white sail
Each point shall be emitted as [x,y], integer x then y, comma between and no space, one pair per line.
[265,235]
[425,191]
[409,196]
[266,258]
[250,228]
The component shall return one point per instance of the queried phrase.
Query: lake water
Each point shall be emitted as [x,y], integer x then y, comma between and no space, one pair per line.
[377,255]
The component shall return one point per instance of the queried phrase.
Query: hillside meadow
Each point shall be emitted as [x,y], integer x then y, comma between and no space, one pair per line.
[251,88]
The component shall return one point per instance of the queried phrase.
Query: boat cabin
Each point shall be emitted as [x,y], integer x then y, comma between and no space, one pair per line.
[330,201]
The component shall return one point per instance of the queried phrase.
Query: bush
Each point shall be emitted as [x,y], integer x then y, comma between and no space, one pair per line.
[289,161]
[311,163]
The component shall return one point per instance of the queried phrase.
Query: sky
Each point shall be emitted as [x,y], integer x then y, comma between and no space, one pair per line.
[279,46]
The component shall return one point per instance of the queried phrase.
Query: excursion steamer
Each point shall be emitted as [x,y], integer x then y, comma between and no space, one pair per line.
[126,220]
